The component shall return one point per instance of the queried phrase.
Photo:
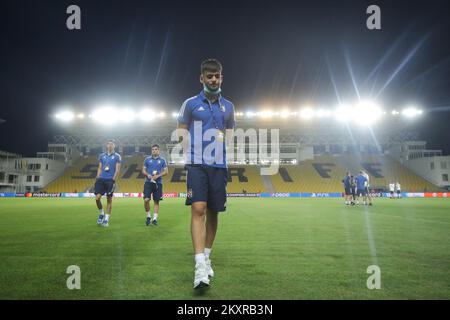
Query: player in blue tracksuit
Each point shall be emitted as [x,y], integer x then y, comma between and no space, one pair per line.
[207,114]
[154,168]
[108,170]
[361,186]
[347,181]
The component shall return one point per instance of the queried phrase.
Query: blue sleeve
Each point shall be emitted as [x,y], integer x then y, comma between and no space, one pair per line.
[184,116]
[164,163]
[231,121]
[119,158]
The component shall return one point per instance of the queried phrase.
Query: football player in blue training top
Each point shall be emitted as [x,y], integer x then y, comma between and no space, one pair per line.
[213,116]
[154,168]
[108,170]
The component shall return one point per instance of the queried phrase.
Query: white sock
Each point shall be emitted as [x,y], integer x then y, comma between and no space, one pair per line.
[101,211]
[155,215]
[207,252]
[107,217]
[148,214]
[200,258]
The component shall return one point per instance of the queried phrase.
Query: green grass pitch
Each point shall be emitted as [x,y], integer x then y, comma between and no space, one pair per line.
[270,248]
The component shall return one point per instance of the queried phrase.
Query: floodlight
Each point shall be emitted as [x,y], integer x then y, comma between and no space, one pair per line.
[367,112]
[126,115]
[106,115]
[147,115]
[411,112]
[322,113]
[306,113]
[284,113]
[65,116]
[343,112]
[267,114]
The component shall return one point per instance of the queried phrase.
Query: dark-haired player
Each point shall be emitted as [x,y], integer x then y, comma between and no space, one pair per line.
[108,170]
[154,168]
[211,115]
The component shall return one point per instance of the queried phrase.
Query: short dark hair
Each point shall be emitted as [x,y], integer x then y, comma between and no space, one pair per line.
[212,65]
[111,140]
[155,145]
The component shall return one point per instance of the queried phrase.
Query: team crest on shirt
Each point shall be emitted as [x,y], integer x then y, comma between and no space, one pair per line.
[201,108]
[222,108]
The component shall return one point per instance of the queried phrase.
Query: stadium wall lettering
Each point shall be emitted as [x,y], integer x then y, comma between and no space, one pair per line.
[323,169]
[285,175]
[373,169]
[183,195]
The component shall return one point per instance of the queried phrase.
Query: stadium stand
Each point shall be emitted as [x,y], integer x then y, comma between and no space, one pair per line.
[323,174]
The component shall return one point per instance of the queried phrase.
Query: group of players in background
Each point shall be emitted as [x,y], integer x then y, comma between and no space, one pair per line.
[109,163]
[356,187]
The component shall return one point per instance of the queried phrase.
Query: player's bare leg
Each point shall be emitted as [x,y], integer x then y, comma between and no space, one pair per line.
[155,212]
[198,228]
[98,201]
[148,220]
[212,220]
[211,227]
[108,205]
[108,210]
[369,197]
[198,233]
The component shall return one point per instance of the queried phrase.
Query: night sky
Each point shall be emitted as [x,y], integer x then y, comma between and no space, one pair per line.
[273,52]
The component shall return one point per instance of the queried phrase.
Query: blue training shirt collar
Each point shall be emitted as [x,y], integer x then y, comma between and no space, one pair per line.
[203,96]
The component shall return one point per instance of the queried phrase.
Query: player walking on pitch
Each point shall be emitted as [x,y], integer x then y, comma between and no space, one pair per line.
[361,187]
[347,189]
[391,189]
[369,197]
[108,170]
[206,170]
[154,168]
[399,190]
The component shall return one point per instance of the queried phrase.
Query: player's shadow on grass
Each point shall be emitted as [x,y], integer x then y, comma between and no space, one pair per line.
[201,292]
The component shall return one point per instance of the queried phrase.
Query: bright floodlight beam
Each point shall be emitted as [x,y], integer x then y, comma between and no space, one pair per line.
[107,115]
[343,113]
[65,116]
[306,113]
[284,113]
[147,115]
[267,114]
[411,112]
[127,115]
[369,111]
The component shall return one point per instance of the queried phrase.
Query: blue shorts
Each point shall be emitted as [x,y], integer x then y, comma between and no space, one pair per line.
[209,184]
[104,186]
[348,191]
[362,192]
[155,189]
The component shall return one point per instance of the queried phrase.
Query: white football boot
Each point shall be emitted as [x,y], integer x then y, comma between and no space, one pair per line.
[201,279]
[209,269]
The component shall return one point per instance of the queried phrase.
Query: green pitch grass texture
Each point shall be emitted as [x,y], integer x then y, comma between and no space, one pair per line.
[265,249]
